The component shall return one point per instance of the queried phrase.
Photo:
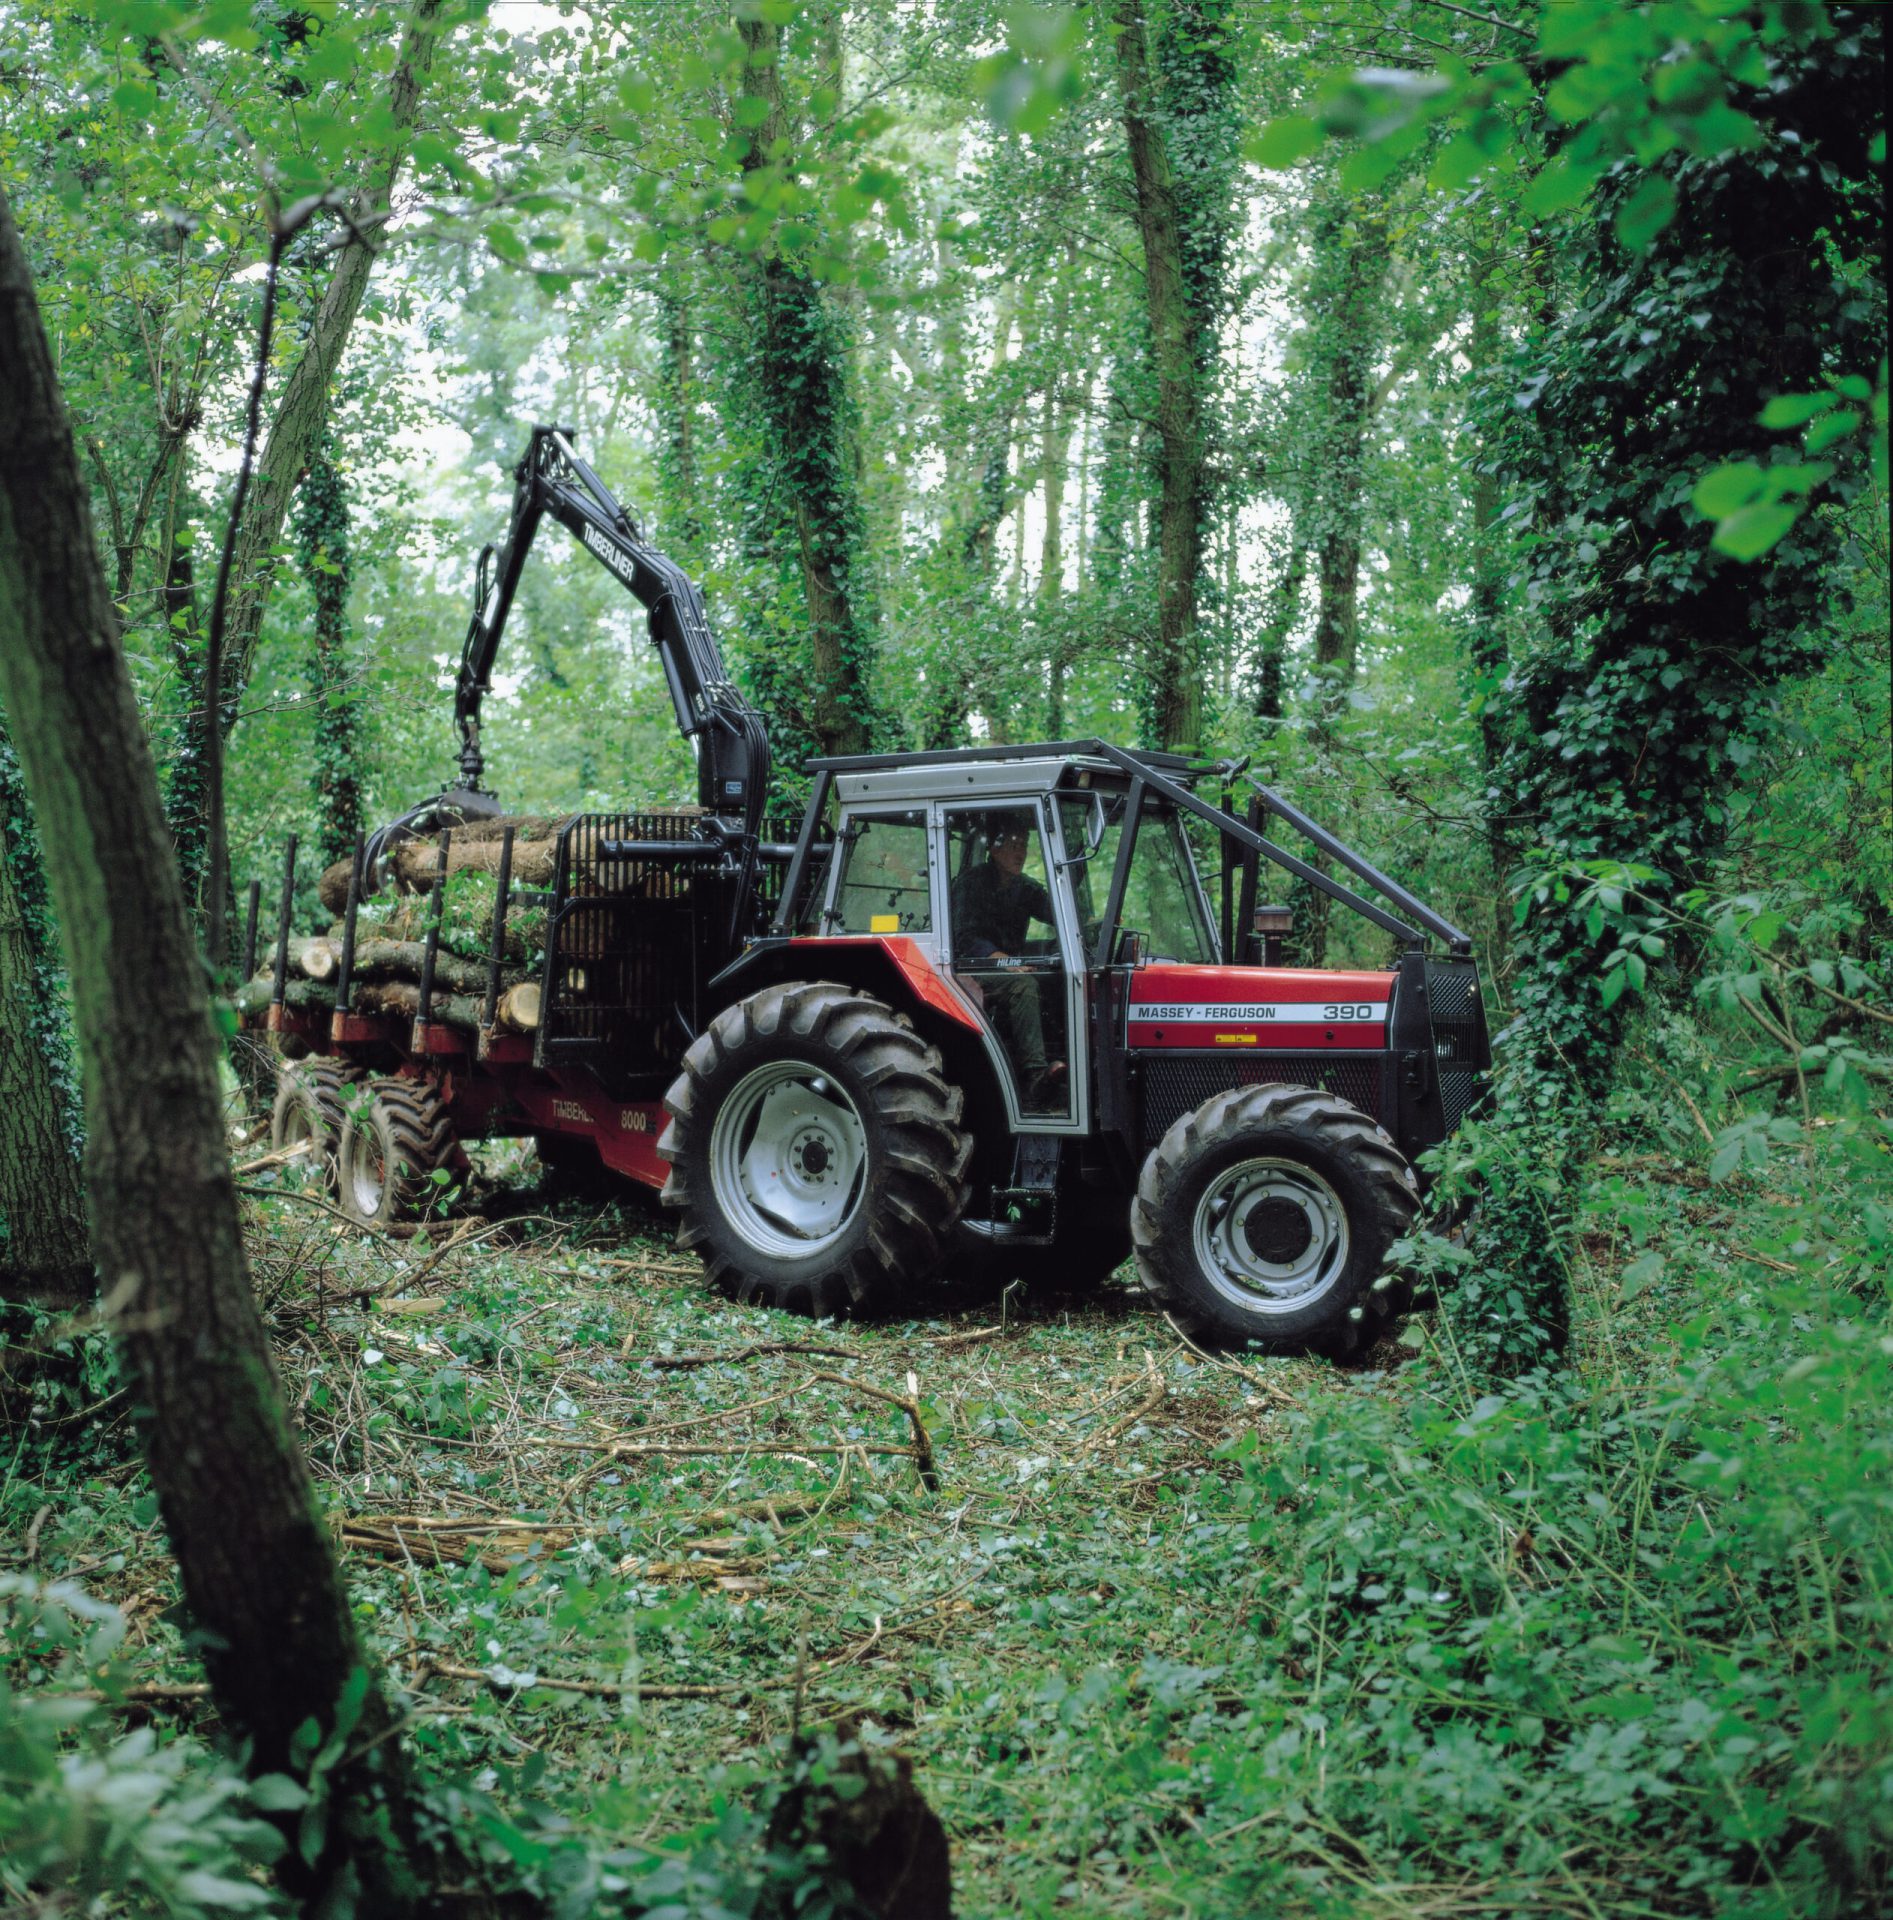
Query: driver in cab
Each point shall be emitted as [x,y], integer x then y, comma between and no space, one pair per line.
[993,904]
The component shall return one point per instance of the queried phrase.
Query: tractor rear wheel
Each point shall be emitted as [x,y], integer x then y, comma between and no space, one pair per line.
[310,1112]
[816,1153]
[1263,1219]
[390,1151]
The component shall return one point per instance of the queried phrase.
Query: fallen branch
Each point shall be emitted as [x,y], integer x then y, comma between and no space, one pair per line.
[910,1406]
[678,1362]
[1142,1411]
[594,1689]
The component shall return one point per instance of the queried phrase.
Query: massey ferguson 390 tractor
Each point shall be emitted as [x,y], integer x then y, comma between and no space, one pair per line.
[1006,1011]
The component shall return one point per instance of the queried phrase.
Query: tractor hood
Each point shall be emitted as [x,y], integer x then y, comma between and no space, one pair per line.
[1188,1006]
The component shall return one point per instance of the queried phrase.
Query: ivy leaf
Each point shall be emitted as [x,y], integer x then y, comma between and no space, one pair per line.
[1647,212]
[1722,490]
[1795,409]
[1284,142]
[1641,1273]
[1750,532]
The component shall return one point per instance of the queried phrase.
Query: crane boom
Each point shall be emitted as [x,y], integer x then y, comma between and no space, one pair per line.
[731,742]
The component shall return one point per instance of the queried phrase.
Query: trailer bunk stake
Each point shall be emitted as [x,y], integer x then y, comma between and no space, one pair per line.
[344,973]
[249,928]
[500,902]
[425,1011]
[280,985]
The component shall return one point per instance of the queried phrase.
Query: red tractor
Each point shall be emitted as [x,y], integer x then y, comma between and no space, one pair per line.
[981,1018]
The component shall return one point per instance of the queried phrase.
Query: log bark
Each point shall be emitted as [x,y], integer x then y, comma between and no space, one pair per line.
[257,1568]
[402,959]
[415,864]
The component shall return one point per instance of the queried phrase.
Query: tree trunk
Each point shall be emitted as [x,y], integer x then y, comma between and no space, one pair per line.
[44,1258]
[1486,643]
[677,413]
[186,791]
[322,537]
[258,1571]
[1176,671]
[1181,140]
[804,391]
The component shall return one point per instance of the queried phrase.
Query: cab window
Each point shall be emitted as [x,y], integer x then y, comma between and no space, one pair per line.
[1161,898]
[884,886]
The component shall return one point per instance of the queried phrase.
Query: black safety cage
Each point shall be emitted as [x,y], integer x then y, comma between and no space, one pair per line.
[1171,778]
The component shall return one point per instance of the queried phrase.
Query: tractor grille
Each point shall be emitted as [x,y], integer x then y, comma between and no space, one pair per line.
[623,944]
[1460,1046]
[1174,1085]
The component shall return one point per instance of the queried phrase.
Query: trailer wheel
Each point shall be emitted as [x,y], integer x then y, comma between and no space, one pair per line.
[390,1149]
[310,1110]
[1263,1218]
[815,1153]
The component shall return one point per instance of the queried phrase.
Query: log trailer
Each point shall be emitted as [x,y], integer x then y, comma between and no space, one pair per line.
[980,1016]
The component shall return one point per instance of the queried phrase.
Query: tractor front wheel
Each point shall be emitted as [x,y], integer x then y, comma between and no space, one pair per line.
[815,1153]
[1264,1217]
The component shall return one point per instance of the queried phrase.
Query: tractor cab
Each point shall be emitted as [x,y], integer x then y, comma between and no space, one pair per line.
[1000,875]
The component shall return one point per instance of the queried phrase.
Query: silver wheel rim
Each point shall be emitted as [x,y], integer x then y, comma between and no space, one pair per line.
[367,1171]
[1271,1236]
[788,1154]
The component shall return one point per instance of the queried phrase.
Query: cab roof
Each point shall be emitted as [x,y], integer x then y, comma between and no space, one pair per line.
[978,771]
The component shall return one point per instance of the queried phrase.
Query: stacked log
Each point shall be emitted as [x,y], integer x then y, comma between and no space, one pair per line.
[394,920]
[414,865]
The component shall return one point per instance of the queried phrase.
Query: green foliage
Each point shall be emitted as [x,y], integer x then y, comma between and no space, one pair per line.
[90,1820]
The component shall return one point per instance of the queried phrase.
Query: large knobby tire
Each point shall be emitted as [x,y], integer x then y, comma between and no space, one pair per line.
[1264,1217]
[391,1146]
[816,1153]
[310,1108]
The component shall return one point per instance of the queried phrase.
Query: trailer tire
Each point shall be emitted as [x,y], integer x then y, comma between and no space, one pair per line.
[390,1150]
[310,1105]
[1263,1219]
[816,1153]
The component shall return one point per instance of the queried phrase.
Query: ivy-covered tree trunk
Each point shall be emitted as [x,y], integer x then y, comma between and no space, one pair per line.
[324,557]
[186,788]
[1642,703]
[801,379]
[258,1570]
[1179,139]
[44,1258]
[1345,314]
[1486,650]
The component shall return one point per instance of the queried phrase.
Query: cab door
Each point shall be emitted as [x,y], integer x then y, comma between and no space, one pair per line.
[1013,957]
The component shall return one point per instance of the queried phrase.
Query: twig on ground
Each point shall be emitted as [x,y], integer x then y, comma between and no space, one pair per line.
[1148,1405]
[595,1689]
[909,1404]
[678,1362]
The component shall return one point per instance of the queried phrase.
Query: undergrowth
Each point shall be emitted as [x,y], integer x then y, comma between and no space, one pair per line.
[1173,1636]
